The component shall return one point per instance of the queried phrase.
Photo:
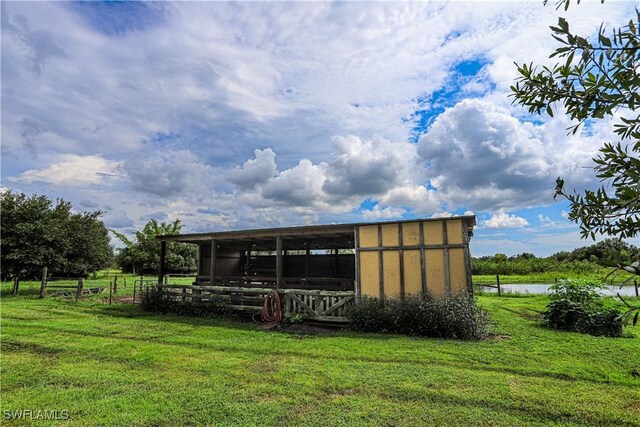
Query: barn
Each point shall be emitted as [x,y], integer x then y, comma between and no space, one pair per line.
[320,270]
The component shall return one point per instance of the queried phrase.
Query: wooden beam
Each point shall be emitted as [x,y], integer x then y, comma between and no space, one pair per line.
[278,262]
[212,262]
[356,251]
[163,265]
[307,260]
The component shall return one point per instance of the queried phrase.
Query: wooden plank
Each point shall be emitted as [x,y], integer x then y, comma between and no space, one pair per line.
[423,265]
[278,262]
[356,250]
[336,306]
[212,262]
[396,248]
[447,273]
[302,304]
[163,265]
[400,237]
[380,266]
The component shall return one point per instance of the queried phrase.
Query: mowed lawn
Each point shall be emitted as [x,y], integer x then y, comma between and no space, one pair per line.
[117,365]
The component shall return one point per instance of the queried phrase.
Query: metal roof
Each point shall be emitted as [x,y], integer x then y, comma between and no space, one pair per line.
[312,236]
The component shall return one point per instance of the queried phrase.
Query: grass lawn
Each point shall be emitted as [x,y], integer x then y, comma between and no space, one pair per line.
[116,365]
[550,277]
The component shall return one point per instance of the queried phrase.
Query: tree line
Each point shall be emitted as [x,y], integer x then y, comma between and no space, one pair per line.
[582,260]
[38,232]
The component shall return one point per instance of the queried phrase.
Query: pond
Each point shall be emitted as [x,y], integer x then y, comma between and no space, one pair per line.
[543,288]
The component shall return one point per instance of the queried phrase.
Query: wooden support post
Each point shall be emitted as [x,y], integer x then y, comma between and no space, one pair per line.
[307,259]
[163,255]
[110,291]
[115,286]
[498,284]
[43,283]
[278,262]
[356,253]
[80,288]
[16,285]
[336,263]
[212,263]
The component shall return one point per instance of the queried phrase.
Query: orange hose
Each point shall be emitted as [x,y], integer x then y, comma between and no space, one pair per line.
[271,310]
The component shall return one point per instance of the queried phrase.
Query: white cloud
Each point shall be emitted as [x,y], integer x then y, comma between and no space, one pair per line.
[298,186]
[377,213]
[254,171]
[505,220]
[369,167]
[72,170]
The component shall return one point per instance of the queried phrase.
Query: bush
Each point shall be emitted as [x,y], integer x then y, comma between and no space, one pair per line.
[156,300]
[455,317]
[577,306]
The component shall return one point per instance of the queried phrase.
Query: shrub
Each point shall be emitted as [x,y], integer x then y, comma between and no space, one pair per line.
[455,317]
[156,300]
[369,315]
[577,306]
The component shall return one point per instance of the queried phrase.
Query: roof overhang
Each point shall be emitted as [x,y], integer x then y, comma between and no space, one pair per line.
[330,236]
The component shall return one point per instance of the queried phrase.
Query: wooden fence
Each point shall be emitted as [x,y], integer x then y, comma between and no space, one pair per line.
[318,305]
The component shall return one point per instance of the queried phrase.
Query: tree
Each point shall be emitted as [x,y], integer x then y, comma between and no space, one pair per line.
[596,79]
[142,255]
[36,234]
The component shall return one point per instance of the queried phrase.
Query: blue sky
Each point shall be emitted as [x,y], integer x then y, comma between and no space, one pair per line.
[248,114]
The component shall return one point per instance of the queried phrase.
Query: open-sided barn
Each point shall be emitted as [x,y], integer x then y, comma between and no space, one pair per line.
[319,270]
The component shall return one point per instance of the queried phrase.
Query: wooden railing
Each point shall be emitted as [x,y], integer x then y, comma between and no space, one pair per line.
[315,283]
[309,304]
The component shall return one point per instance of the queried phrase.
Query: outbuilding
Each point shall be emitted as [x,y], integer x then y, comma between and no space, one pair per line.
[320,270]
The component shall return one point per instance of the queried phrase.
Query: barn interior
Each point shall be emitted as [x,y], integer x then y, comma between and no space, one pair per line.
[313,257]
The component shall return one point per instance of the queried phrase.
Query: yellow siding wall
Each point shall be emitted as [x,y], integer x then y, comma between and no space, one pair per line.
[434,271]
[434,259]
[368,236]
[390,235]
[432,232]
[457,271]
[412,272]
[454,231]
[369,270]
[391,271]
[411,234]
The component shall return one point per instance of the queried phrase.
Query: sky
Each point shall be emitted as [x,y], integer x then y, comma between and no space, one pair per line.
[250,115]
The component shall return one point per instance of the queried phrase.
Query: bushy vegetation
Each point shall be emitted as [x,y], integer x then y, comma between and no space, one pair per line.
[142,254]
[583,260]
[577,306]
[37,233]
[454,317]
[156,300]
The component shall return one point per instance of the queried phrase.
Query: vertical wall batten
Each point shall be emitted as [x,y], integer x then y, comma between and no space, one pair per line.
[356,244]
[422,260]
[400,239]
[447,273]
[380,266]
[278,262]
[212,263]
[467,256]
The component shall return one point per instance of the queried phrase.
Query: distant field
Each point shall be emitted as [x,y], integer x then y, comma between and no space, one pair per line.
[117,365]
[550,277]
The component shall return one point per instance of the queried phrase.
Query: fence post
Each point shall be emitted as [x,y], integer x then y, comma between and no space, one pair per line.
[110,288]
[43,283]
[635,284]
[125,281]
[16,285]
[115,285]
[80,288]
[166,279]
[498,283]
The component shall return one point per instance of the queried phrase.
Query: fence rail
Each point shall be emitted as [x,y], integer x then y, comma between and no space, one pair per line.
[309,304]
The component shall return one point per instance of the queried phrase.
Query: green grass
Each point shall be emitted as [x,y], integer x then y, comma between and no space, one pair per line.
[550,277]
[116,365]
